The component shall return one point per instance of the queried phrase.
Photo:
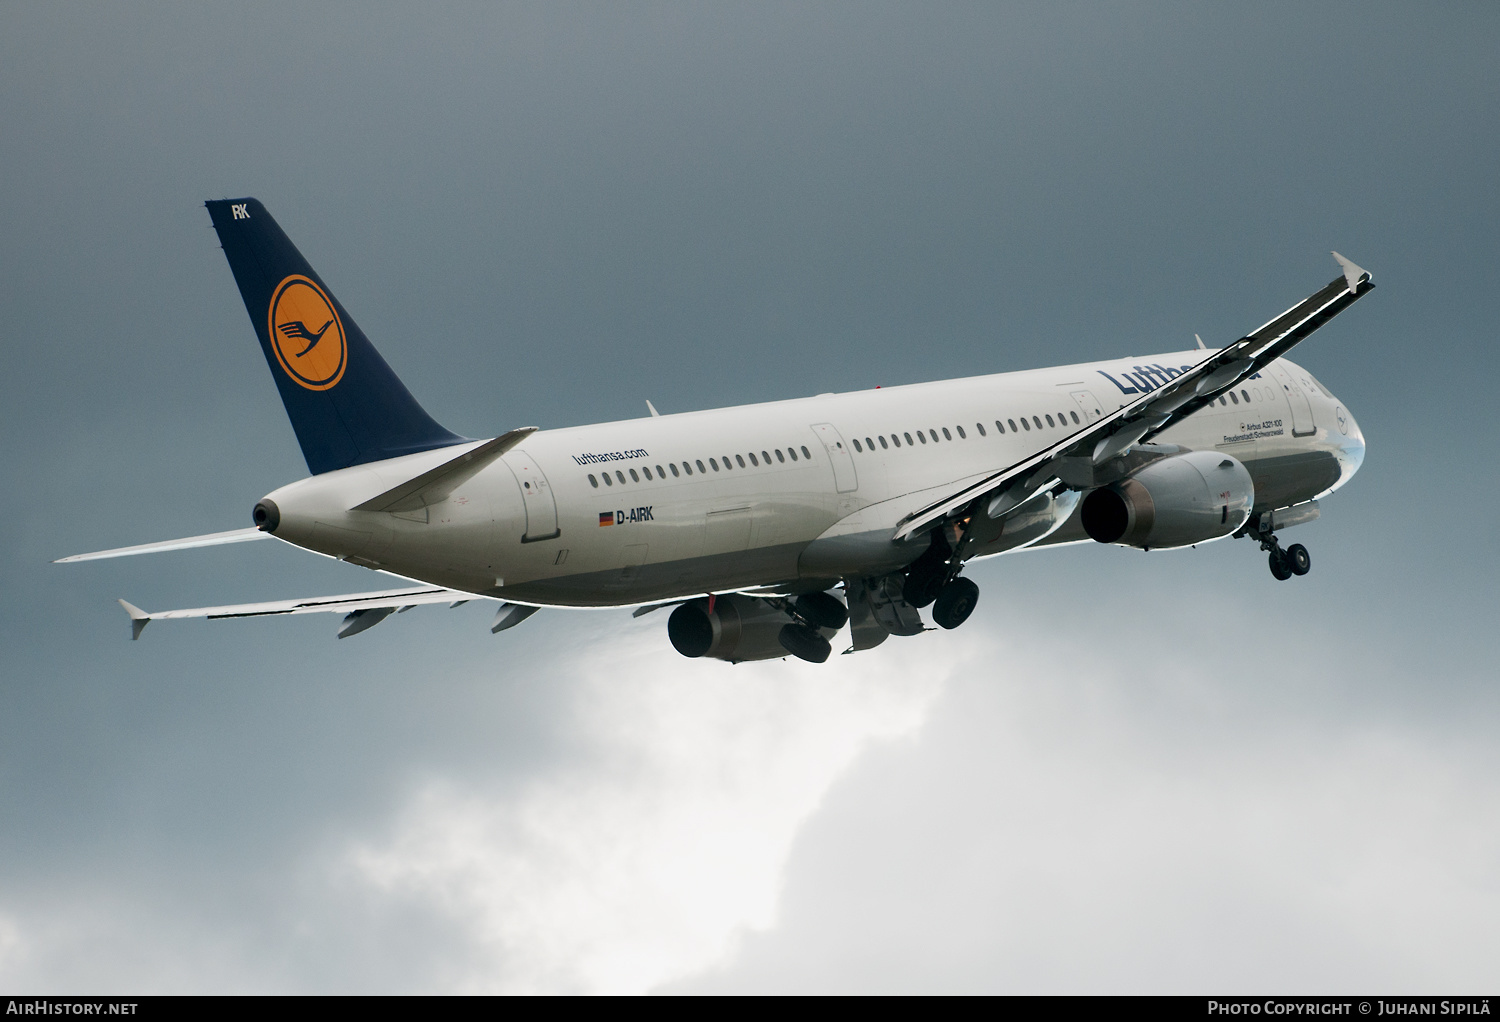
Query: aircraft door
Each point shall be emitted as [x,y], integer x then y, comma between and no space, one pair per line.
[1088,405]
[838,453]
[536,494]
[1302,418]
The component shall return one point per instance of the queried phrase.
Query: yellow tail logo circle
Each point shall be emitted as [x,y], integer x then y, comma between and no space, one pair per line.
[307,334]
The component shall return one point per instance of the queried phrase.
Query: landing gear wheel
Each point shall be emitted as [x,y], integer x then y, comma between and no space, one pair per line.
[955,603]
[1279,566]
[922,587]
[1298,559]
[804,643]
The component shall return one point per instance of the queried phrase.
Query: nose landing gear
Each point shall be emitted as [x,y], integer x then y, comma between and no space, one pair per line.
[1294,560]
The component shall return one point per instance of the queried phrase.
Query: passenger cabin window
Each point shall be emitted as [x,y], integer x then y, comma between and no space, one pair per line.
[620,476]
[1037,421]
[908,438]
[739,460]
[645,472]
[674,469]
[922,437]
[1246,395]
[895,440]
[1001,429]
[858,448]
[687,468]
[766,457]
[935,436]
[1234,397]
[635,476]
[607,480]
[947,435]
[699,463]
[805,454]
[961,434]
[592,481]
[1075,418]
[980,426]
[780,457]
[714,462]
[1012,424]
[1050,422]
[792,453]
[752,459]
[1027,425]
[871,444]
[883,444]
[659,473]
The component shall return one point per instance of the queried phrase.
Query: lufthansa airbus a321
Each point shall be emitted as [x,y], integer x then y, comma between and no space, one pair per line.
[772,528]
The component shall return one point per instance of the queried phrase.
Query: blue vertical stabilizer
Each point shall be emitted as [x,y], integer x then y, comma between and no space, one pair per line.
[345,404]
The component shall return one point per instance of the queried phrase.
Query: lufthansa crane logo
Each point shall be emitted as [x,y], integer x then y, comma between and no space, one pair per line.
[307,334]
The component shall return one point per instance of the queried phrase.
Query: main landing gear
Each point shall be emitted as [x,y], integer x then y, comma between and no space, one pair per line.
[811,611]
[933,579]
[955,602]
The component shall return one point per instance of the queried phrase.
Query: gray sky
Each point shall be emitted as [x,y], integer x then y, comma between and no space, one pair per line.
[1127,772]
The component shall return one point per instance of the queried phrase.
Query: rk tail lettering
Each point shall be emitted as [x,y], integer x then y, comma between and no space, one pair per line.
[239,210]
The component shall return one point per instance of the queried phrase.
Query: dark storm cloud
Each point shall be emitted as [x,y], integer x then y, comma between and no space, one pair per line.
[549,214]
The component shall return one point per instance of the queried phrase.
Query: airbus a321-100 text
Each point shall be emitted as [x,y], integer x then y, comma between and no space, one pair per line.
[771,528]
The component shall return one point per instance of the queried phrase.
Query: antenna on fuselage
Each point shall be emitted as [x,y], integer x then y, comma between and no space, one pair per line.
[1200,342]
[654,413]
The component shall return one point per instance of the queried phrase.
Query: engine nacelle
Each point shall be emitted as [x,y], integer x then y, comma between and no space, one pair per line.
[1176,501]
[740,628]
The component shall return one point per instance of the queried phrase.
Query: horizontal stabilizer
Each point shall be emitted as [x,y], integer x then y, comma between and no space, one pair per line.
[434,485]
[212,539]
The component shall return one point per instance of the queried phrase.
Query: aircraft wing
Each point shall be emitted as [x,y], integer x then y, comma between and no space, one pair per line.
[1073,459]
[363,608]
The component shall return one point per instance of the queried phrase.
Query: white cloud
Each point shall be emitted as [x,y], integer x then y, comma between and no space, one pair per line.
[664,839]
[1108,817]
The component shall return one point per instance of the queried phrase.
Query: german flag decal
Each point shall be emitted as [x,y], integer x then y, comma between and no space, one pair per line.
[606,518]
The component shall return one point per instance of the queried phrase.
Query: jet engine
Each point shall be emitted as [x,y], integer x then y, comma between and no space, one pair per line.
[1175,501]
[739,628]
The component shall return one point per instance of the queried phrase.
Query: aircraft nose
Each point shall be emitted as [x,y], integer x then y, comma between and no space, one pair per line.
[1350,442]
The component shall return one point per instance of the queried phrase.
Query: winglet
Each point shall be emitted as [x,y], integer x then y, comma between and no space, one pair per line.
[1200,342]
[654,413]
[139,619]
[1355,275]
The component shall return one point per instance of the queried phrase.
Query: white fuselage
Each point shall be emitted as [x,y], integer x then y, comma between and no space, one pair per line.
[788,494]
